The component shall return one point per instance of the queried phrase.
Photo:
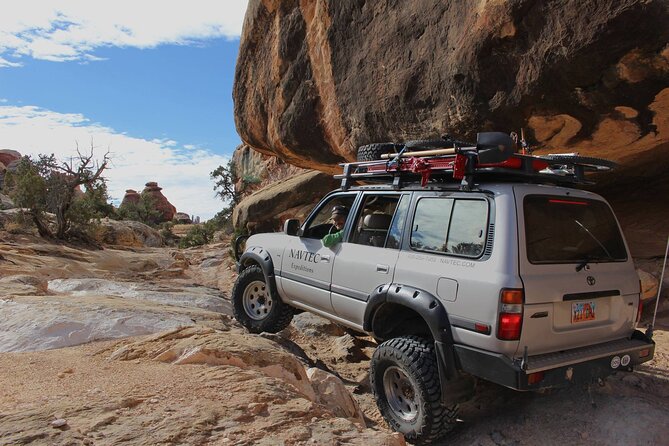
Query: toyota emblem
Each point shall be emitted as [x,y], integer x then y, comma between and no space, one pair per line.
[591,280]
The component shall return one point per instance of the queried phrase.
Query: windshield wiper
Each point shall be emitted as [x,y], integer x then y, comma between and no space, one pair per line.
[589,259]
[608,254]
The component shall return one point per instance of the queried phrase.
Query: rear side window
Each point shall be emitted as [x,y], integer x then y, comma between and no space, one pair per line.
[452,226]
[568,230]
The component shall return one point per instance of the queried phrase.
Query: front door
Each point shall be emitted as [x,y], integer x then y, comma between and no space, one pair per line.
[306,266]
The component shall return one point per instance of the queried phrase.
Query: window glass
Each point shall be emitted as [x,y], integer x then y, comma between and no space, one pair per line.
[430,224]
[452,226]
[395,234]
[468,228]
[321,223]
[566,230]
[373,220]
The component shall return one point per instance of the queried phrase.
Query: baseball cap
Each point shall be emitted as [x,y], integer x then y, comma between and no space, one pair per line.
[339,210]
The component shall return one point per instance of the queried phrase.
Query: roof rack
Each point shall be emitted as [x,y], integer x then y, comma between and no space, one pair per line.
[464,165]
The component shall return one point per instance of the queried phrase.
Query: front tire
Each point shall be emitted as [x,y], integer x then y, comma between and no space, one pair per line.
[405,382]
[255,306]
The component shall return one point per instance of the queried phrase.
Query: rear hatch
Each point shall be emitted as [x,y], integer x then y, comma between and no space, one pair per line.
[580,284]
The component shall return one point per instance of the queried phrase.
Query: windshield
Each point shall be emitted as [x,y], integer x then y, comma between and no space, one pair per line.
[570,230]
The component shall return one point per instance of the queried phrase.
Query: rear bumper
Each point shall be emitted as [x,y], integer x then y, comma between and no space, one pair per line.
[560,369]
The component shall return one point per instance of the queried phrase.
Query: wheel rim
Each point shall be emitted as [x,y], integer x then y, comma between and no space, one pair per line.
[401,393]
[257,301]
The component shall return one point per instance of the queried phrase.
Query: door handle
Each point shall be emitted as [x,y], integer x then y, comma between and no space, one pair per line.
[382,268]
[325,258]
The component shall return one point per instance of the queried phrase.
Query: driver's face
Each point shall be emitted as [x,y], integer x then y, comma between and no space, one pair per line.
[339,221]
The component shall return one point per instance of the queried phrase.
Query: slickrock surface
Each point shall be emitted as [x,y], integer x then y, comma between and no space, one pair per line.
[199,378]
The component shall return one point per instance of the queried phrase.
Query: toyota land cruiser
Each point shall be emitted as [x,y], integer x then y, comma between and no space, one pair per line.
[508,275]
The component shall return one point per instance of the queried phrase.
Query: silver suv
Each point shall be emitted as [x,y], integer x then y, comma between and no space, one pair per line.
[502,277]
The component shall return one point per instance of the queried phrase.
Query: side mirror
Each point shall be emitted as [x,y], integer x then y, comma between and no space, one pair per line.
[292,226]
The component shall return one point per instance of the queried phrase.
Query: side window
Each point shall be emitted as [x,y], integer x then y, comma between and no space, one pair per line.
[373,220]
[452,226]
[430,224]
[396,229]
[468,228]
[321,223]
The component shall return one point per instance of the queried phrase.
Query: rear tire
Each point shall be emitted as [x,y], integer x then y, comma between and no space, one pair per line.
[405,382]
[255,306]
[373,152]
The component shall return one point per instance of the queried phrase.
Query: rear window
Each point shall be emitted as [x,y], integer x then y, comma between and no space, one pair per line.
[568,230]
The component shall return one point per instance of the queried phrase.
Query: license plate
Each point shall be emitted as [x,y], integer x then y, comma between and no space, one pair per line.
[582,311]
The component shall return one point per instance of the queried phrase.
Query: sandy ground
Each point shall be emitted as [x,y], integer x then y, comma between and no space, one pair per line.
[144,401]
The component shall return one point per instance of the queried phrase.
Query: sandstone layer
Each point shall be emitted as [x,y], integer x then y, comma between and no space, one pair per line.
[315,80]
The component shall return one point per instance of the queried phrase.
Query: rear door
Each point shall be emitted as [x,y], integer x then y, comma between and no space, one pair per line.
[367,259]
[580,284]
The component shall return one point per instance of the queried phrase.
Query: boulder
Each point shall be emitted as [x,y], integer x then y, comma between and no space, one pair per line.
[649,284]
[314,80]
[127,233]
[159,201]
[182,218]
[23,285]
[262,209]
[332,393]
[6,202]
[254,170]
[314,325]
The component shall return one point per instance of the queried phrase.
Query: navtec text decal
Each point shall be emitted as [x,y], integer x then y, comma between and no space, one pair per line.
[305,255]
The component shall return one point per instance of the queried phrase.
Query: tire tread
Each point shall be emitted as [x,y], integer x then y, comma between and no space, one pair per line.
[419,354]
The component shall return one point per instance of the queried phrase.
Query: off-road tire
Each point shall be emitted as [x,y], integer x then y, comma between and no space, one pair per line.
[373,152]
[278,315]
[414,357]
[582,160]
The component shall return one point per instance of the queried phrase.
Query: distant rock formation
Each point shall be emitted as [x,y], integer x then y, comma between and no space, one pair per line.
[9,159]
[160,202]
[165,210]
[7,156]
[131,197]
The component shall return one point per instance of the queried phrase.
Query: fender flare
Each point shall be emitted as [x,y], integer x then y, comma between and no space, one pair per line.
[256,254]
[425,304]
[455,387]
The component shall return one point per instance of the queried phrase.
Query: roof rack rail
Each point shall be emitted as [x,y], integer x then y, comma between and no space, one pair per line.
[463,164]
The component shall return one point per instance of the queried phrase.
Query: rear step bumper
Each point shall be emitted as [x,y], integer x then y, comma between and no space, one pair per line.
[560,369]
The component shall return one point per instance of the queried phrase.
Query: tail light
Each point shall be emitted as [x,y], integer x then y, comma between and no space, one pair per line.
[639,311]
[510,320]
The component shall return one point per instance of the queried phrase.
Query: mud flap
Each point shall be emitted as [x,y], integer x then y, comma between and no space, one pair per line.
[456,387]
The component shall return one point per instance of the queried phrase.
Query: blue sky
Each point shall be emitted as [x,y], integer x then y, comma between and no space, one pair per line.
[155,92]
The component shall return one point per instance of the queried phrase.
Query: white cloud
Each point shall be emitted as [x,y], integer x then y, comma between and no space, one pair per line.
[72,29]
[182,172]
[4,63]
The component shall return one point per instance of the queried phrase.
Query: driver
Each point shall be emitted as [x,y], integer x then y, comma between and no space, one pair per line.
[339,214]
